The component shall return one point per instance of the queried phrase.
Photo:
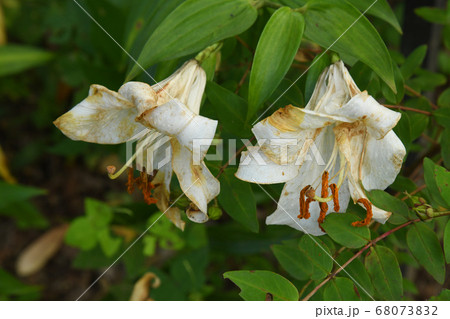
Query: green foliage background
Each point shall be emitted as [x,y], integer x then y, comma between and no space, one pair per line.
[51,51]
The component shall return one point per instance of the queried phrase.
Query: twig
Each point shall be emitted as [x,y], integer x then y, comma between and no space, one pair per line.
[406,108]
[241,82]
[241,41]
[417,94]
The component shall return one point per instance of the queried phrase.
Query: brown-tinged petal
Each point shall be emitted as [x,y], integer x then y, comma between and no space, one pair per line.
[104,117]
[141,289]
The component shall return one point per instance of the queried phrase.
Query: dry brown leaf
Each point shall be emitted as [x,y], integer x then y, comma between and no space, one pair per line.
[142,287]
[38,253]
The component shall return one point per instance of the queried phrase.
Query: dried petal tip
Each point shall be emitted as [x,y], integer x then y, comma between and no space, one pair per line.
[111,169]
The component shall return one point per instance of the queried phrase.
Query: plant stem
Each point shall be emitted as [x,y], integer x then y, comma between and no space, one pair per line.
[406,108]
[417,94]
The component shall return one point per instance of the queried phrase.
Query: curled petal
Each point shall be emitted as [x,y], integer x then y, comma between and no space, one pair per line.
[382,161]
[287,134]
[104,117]
[256,167]
[140,94]
[196,181]
[363,107]
[187,84]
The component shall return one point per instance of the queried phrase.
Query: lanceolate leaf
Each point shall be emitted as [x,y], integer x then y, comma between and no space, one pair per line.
[237,199]
[257,284]
[192,26]
[424,245]
[413,61]
[274,54]
[385,272]
[341,25]
[379,9]
[230,109]
[15,58]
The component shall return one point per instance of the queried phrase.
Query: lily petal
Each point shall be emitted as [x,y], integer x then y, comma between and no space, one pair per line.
[104,117]
[162,194]
[196,181]
[289,130]
[363,107]
[288,205]
[382,161]
[186,84]
[256,167]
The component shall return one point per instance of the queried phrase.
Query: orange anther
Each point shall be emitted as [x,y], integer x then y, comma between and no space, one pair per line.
[131,181]
[369,215]
[335,193]
[302,201]
[308,201]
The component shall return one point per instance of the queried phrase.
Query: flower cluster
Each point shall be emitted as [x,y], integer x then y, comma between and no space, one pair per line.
[351,131]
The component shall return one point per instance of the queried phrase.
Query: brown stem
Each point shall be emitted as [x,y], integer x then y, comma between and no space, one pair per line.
[241,82]
[417,94]
[241,41]
[406,108]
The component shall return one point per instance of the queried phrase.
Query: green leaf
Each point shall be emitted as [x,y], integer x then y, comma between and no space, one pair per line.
[339,289]
[237,199]
[11,193]
[274,54]
[445,151]
[443,183]
[385,272]
[144,18]
[425,247]
[16,58]
[442,116]
[339,227]
[431,171]
[315,69]
[308,258]
[433,15]
[413,61]
[447,242]
[329,21]
[381,199]
[443,296]
[357,273]
[12,287]
[81,234]
[256,284]
[192,26]
[109,244]
[287,93]
[379,9]
[98,213]
[230,108]
[444,99]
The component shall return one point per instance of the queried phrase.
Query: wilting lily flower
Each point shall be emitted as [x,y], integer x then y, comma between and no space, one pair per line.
[153,115]
[346,129]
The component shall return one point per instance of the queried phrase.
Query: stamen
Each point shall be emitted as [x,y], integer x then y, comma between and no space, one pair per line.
[131,181]
[304,192]
[323,206]
[369,215]
[335,193]
[308,201]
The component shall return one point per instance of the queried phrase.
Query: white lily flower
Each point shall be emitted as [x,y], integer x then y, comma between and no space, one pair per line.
[352,133]
[153,115]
